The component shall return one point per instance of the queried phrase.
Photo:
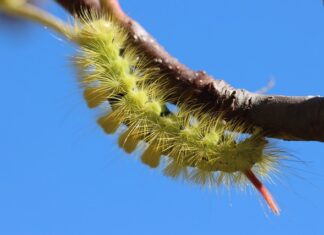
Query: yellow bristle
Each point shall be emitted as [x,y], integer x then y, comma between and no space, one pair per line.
[127,141]
[109,123]
[95,96]
[151,156]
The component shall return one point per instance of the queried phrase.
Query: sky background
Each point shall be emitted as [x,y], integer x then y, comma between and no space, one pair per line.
[61,175]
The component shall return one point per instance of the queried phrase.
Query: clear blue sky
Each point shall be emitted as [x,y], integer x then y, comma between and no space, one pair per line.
[60,175]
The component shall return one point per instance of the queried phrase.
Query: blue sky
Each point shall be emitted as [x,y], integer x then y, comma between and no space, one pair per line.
[59,174]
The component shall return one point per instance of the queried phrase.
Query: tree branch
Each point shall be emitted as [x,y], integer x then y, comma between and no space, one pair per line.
[284,117]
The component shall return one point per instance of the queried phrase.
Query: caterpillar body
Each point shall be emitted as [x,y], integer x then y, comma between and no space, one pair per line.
[189,143]
[197,146]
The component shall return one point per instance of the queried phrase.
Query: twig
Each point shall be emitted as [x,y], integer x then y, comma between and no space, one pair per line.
[284,117]
[271,83]
[31,12]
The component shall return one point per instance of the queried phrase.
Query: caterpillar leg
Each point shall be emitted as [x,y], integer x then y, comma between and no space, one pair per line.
[263,190]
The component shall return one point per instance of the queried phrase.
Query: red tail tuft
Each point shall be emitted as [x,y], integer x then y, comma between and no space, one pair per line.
[263,190]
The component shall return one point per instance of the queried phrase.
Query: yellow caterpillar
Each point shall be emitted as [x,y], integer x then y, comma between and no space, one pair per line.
[195,145]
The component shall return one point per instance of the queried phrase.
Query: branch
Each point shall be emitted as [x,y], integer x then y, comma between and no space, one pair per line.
[284,117]
[24,9]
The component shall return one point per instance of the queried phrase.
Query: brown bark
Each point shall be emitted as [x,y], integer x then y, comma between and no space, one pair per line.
[284,117]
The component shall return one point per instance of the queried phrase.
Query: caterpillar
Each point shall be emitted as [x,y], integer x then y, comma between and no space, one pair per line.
[188,142]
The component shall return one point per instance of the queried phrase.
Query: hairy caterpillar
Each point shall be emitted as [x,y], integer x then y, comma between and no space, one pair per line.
[197,146]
